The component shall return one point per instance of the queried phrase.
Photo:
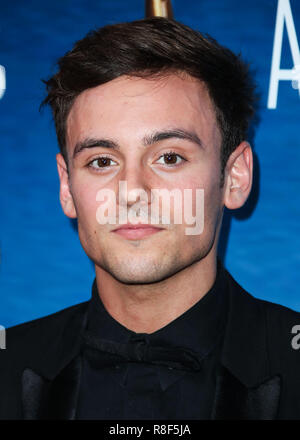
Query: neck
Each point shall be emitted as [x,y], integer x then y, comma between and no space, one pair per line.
[145,308]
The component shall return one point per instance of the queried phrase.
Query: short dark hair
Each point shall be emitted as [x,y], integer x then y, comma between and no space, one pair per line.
[156,46]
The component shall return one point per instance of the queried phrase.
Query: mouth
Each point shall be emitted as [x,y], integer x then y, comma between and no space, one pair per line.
[136,232]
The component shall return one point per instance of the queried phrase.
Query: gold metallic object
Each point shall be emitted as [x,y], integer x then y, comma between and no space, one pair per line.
[159,8]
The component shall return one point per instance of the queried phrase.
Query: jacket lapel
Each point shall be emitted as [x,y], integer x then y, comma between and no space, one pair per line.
[50,383]
[51,399]
[235,401]
[247,387]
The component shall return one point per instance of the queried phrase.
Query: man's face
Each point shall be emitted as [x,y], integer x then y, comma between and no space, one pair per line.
[133,123]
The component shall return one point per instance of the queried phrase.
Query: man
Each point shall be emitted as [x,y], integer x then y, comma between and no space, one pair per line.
[168,334]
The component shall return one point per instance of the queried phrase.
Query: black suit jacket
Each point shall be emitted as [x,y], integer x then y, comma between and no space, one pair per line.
[259,376]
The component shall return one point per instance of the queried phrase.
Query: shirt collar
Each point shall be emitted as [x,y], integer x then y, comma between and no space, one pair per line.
[198,329]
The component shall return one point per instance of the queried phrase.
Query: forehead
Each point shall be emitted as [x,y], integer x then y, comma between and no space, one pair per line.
[132,106]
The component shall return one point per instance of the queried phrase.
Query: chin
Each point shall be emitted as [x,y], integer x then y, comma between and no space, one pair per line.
[138,277]
[143,272]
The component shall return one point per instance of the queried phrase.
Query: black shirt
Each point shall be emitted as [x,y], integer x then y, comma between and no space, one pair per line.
[139,390]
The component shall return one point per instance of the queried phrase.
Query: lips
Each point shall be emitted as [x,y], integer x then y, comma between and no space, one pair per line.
[132,232]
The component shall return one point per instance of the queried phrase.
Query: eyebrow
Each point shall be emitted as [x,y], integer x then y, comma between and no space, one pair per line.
[93,143]
[170,134]
[147,140]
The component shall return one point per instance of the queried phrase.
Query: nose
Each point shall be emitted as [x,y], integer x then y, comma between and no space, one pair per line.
[134,187]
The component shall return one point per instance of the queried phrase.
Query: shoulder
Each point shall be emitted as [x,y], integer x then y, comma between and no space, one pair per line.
[273,312]
[54,322]
[278,324]
[62,316]
[283,332]
[33,338]
[283,329]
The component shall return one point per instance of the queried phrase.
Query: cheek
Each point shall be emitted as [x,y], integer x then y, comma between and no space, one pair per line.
[84,196]
[186,199]
[212,206]
[204,201]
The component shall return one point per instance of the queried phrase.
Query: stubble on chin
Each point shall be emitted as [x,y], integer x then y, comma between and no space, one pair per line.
[147,268]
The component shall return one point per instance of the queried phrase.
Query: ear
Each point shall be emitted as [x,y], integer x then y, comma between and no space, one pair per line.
[65,196]
[239,173]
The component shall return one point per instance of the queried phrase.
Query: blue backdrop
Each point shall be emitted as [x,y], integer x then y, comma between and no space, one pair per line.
[43,267]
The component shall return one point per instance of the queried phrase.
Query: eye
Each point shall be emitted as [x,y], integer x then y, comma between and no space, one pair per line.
[101,162]
[170,158]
